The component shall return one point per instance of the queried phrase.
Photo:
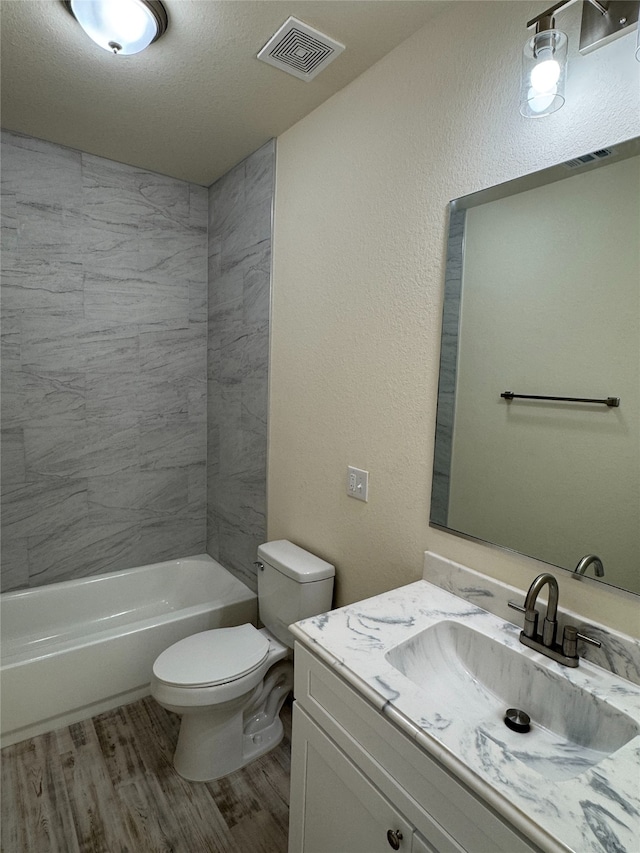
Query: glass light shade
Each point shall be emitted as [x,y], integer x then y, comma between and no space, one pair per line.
[123,27]
[544,69]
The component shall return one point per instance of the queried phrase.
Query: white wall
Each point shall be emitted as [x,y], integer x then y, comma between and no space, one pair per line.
[362,187]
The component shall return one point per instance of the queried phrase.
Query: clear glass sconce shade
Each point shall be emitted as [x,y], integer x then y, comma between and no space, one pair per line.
[123,27]
[544,69]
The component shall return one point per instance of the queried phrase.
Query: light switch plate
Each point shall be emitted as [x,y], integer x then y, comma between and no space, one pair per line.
[357,483]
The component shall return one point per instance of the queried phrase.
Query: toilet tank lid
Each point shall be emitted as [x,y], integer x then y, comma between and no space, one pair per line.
[295,562]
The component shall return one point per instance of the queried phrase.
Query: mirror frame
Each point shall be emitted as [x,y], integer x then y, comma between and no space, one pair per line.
[450,325]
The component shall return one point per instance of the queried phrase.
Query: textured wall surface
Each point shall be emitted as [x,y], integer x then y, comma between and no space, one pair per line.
[238,361]
[362,191]
[104,325]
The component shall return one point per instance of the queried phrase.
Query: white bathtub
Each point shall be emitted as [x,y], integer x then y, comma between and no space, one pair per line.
[75,649]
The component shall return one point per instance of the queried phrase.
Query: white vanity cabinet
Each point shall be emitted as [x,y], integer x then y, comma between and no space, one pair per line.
[359,785]
[343,810]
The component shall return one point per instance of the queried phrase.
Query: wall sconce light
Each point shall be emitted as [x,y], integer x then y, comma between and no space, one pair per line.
[544,61]
[123,27]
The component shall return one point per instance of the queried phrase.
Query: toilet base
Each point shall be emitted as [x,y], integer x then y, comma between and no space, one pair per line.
[262,742]
[218,740]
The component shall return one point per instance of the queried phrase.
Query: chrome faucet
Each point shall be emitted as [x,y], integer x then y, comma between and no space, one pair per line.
[588,560]
[545,642]
[550,623]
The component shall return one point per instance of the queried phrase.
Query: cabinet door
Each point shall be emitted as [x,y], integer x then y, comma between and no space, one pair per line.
[342,812]
[420,845]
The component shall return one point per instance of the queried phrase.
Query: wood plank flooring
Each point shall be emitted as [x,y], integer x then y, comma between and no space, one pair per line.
[107,785]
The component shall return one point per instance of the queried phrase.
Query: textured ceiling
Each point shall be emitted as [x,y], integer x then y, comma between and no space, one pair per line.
[197,101]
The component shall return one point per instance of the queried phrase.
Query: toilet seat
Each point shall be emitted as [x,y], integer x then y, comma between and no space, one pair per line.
[214,657]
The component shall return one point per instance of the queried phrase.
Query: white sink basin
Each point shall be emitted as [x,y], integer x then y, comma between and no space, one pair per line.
[468,676]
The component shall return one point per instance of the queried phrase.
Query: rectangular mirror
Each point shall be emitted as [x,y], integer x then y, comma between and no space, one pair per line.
[542,299]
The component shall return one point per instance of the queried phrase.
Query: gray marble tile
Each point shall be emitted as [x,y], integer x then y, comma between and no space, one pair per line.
[79,549]
[11,369]
[138,496]
[213,537]
[49,341]
[14,557]
[239,304]
[177,254]
[80,450]
[128,297]
[197,490]
[224,327]
[227,202]
[44,227]
[112,396]
[197,400]
[254,228]
[238,550]
[169,200]
[170,443]
[225,411]
[257,284]
[224,287]
[172,354]
[170,539]
[172,369]
[52,398]
[41,280]
[198,301]
[115,195]
[12,468]
[160,398]
[106,247]
[199,206]
[40,507]
[103,256]
[259,171]
[8,222]
[41,173]
[110,350]
[239,500]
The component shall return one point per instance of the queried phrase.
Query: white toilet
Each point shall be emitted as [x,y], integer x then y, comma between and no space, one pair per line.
[229,684]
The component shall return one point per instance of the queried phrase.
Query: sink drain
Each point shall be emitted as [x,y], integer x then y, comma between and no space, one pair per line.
[517,720]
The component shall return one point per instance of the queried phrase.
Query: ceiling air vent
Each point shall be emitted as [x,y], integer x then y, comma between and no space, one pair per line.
[300,50]
[578,162]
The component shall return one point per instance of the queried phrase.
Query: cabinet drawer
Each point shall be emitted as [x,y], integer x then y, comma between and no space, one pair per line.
[429,796]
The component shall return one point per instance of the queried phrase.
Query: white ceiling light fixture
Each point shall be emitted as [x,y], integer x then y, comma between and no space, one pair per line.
[122,27]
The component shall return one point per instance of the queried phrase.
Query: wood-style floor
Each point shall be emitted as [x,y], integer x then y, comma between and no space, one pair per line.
[107,785]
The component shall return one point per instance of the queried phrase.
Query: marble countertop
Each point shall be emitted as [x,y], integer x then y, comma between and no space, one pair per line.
[584,810]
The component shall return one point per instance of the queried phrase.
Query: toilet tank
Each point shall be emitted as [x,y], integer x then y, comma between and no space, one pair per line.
[292,585]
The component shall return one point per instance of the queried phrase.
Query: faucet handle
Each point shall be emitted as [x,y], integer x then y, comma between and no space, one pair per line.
[530,618]
[590,640]
[570,639]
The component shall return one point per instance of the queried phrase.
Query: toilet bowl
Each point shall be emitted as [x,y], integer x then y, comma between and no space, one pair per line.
[229,684]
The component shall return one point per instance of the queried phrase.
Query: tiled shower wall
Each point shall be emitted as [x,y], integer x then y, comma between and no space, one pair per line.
[239,302]
[104,352]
